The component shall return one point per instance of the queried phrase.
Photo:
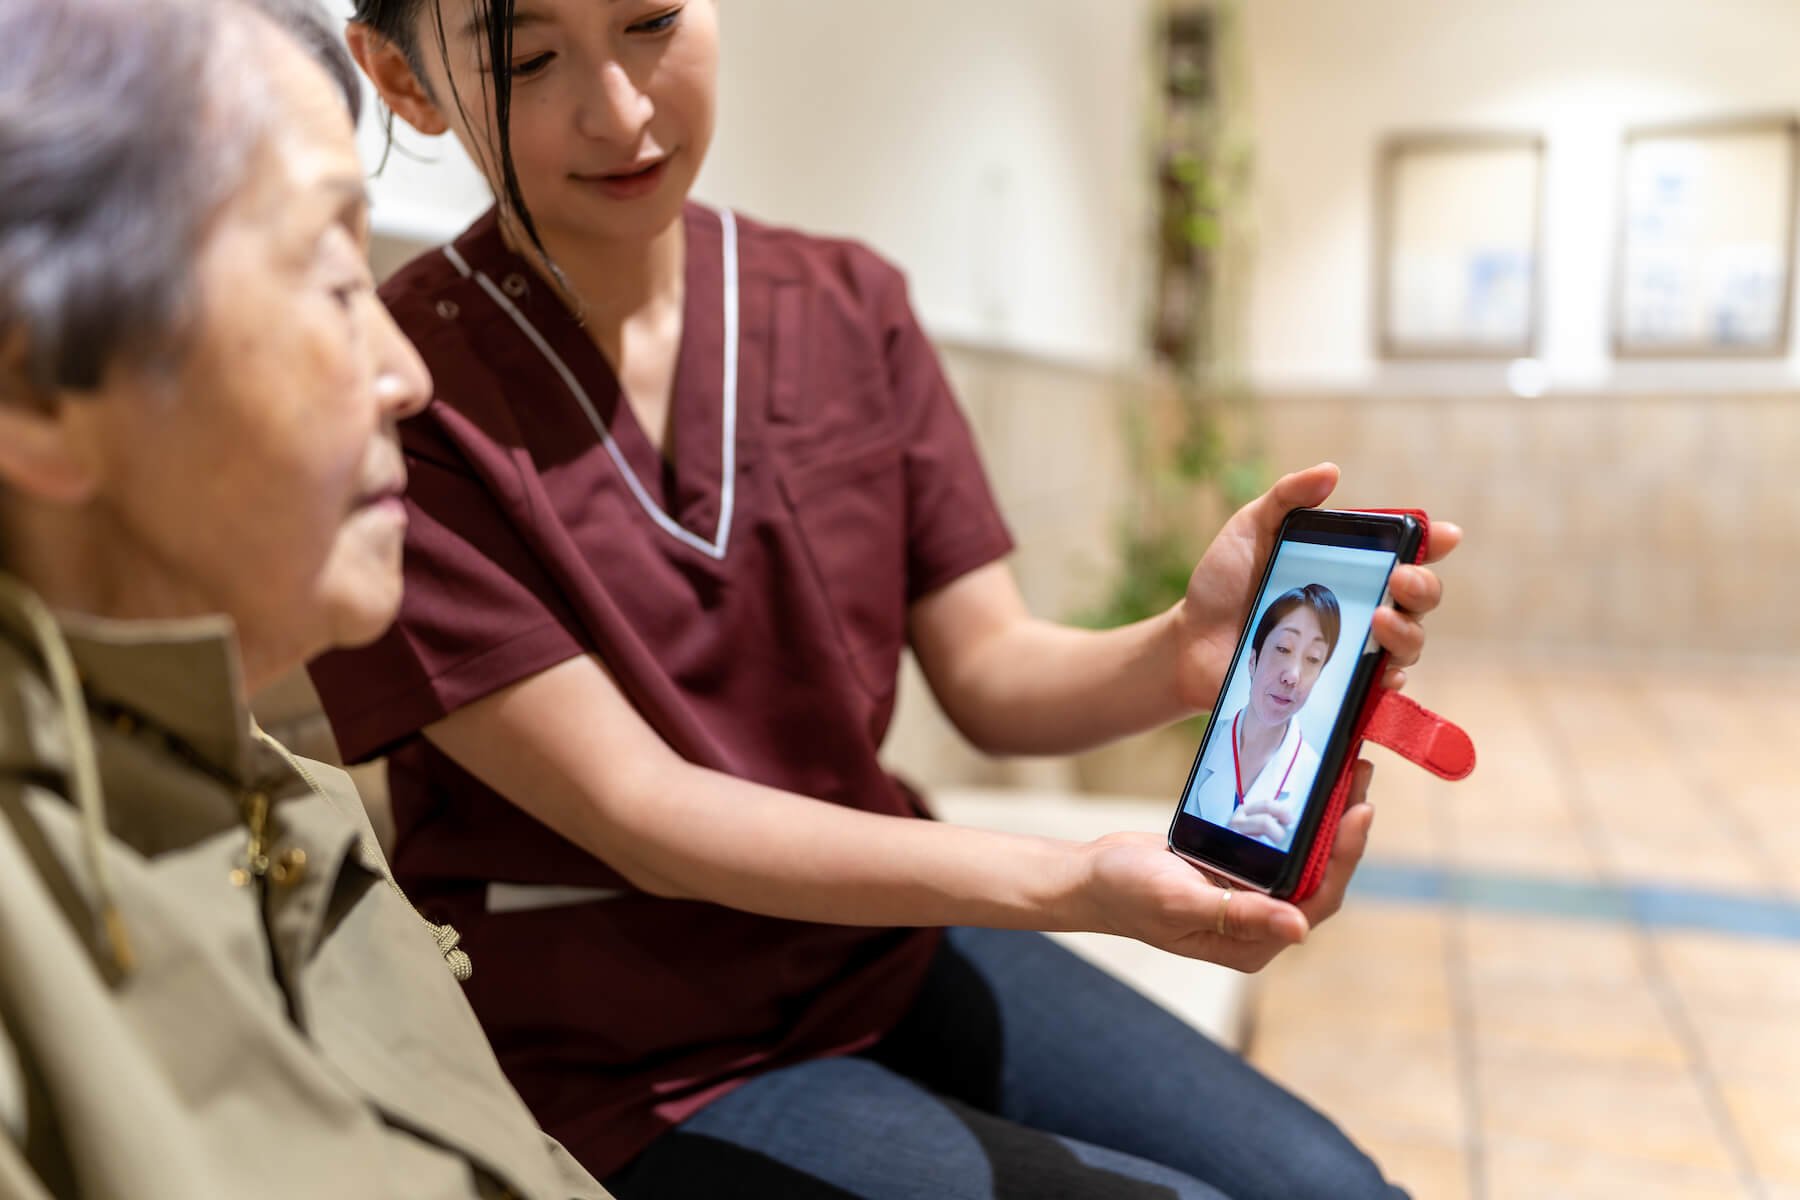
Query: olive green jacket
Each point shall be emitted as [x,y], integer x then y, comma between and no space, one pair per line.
[187,1010]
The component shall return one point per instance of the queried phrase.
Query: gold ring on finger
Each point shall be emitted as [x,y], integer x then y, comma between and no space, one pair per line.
[1224,900]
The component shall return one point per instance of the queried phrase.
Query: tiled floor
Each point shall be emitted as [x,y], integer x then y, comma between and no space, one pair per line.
[1576,974]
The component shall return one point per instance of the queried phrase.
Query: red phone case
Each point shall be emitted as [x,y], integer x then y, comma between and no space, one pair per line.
[1390,719]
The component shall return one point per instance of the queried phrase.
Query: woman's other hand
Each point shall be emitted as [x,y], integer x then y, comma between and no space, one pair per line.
[1223,587]
[1137,888]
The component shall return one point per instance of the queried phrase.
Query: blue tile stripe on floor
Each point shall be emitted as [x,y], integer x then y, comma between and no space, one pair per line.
[1651,905]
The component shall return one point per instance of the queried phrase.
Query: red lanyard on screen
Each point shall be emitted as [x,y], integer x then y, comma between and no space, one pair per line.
[1237,770]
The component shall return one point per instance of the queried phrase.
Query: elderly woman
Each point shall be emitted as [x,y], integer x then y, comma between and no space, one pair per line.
[206,987]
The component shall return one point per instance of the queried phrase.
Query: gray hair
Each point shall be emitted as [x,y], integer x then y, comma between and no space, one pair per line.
[305,22]
[124,126]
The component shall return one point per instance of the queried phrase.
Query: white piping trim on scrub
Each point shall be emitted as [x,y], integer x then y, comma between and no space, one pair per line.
[528,897]
[728,457]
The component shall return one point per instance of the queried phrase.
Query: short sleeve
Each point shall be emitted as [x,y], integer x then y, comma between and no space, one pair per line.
[953,522]
[480,610]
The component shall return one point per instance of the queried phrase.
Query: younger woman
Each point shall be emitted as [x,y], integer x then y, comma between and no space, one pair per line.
[689,485]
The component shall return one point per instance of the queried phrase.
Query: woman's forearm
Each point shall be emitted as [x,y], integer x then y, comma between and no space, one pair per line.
[568,749]
[1014,684]
[716,838]
[1035,687]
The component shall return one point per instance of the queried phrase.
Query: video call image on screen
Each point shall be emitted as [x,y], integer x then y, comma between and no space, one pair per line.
[1261,753]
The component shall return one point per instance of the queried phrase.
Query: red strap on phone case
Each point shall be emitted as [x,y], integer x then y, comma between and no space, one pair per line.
[1409,730]
[1419,735]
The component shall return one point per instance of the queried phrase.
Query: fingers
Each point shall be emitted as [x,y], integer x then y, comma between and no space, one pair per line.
[1416,590]
[1401,635]
[1223,924]
[1313,486]
[1347,850]
[1445,537]
[1301,489]
[1305,489]
[1352,840]
[1362,773]
[1254,917]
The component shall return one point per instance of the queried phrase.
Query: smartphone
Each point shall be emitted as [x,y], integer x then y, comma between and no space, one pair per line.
[1278,736]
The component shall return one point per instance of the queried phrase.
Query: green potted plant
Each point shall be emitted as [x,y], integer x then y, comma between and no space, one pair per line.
[1191,436]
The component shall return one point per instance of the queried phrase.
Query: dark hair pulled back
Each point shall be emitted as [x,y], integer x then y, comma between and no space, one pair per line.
[399,20]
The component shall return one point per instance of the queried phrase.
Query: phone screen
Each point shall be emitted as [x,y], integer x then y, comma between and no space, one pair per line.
[1305,655]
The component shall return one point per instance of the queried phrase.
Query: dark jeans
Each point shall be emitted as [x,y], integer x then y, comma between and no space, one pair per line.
[1022,1073]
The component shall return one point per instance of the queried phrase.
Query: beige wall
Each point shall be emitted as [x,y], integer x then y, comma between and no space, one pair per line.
[1330,78]
[1648,523]
[1599,525]
[1652,523]
[994,148]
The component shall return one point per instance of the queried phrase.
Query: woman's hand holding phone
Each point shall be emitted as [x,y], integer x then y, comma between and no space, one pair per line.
[1223,585]
[1269,785]
[1135,888]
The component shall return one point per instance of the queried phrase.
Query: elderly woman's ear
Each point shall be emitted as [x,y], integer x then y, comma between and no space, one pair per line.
[43,454]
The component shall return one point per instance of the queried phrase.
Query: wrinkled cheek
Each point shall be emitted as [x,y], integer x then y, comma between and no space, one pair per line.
[362,574]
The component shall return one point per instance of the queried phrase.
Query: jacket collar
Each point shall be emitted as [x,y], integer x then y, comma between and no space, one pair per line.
[148,685]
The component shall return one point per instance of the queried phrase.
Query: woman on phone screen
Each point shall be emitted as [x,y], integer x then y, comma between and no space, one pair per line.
[1256,780]
[689,485]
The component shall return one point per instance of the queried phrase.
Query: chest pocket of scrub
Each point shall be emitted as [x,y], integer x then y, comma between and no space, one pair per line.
[850,513]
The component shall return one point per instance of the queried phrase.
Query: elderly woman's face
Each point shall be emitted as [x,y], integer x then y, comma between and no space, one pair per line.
[267,484]
[1282,676]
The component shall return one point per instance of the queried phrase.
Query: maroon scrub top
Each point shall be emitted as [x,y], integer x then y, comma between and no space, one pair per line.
[767,648]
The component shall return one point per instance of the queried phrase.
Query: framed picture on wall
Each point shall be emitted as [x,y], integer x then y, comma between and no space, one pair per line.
[1706,238]
[1459,235]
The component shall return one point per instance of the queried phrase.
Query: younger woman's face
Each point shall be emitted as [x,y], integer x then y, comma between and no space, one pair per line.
[612,106]
[1283,675]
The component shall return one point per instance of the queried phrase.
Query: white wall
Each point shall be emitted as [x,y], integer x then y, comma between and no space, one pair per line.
[1330,78]
[994,149]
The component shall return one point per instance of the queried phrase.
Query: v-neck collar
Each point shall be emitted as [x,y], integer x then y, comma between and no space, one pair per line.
[678,495]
